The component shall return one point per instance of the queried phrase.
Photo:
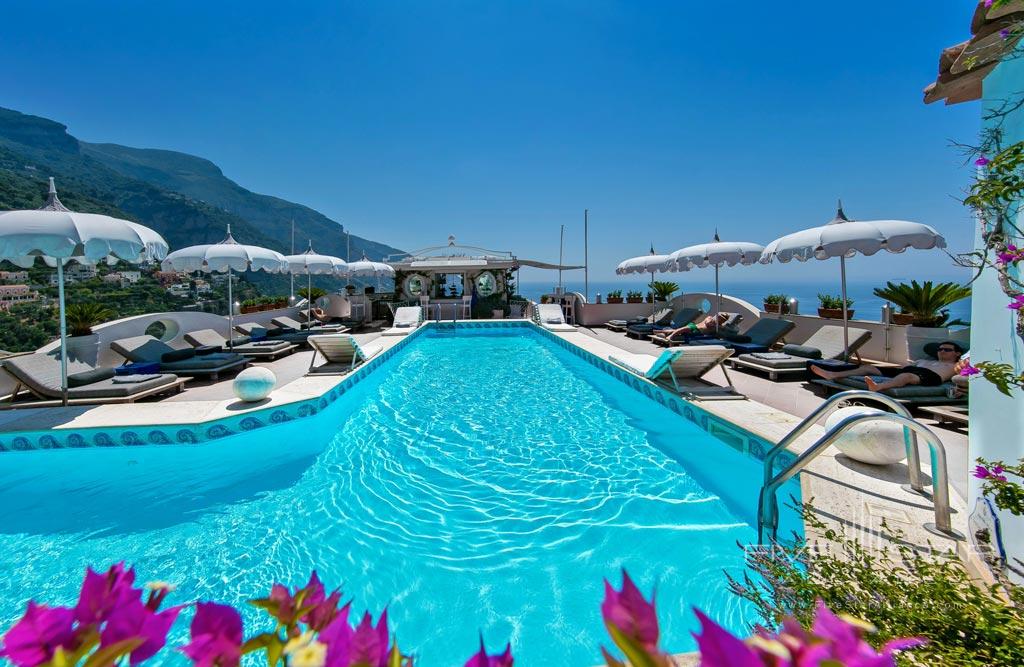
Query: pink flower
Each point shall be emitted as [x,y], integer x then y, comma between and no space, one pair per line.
[630,614]
[326,605]
[338,636]
[719,648]
[982,161]
[1005,33]
[34,638]
[988,3]
[995,472]
[1017,303]
[102,593]
[216,633]
[135,619]
[969,370]
[481,659]
[369,643]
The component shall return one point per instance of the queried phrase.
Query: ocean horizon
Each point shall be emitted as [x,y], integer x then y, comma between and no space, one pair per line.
[866,305]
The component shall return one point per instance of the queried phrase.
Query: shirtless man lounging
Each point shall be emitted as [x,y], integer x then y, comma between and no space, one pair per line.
[707,325]
[924,372]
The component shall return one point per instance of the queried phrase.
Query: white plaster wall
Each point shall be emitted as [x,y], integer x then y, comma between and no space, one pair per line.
[997,421]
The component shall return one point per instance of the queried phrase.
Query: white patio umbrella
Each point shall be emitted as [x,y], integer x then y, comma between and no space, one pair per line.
[365,268]
[845,238]
[649,263]
[228,255]
[60,235]
[309,263]
[716,254]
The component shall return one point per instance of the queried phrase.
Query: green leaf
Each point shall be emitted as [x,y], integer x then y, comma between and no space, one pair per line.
[636,654]
[395,657]
[258,642]
[611,660]
[109,654]
[274,652]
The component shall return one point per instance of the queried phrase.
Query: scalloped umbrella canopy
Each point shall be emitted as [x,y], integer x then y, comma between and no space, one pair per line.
[365,267]
[716,253]
[650,263]
[311,263]
[228,255]
[59,235]
[844,238]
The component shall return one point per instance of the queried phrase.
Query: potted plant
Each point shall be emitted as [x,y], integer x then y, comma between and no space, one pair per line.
[923,305]
[832,307]
[250,306]
[777,303]
[634,296]
[82,343]
[615,296]
[350,289]
[663,289]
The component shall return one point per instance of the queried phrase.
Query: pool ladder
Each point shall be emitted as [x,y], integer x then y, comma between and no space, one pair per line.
[768,508]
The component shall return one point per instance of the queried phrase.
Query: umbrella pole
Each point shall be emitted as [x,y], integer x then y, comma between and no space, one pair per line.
[63,334]
[718,298]
[846,333]
[231,310]
[309,297]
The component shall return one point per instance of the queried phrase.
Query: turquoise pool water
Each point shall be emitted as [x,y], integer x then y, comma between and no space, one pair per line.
[484,481]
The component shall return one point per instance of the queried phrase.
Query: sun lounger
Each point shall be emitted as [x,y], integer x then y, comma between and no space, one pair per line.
[259,332]
[680,319]
[407,318]
[285,322]
[682,370]
[39,373]
[341,352]
[146,349]
[549,316]
[825,343]
[662,316]
[760,337]
[661,336]
[211,340]
[911,395]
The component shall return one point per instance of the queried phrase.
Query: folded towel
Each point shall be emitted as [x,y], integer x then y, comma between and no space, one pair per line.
[131,379]
[770,355]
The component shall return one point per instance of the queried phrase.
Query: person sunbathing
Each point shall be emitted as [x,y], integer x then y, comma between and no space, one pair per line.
[707,325]
[923,372]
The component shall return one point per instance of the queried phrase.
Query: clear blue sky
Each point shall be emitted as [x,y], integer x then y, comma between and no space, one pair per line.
[499,121]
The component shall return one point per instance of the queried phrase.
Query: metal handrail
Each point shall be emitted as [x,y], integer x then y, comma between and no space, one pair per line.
[909,437]
[768,512]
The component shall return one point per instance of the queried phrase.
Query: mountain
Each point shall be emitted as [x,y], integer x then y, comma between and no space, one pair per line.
[185,198]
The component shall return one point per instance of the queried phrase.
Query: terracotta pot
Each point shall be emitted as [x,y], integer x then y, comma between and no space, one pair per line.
[248,309]
[615,299]
[903,319]
[638,299]
[780,308]
[834,313]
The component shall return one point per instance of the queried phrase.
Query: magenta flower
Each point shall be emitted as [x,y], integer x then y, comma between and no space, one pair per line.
[135,619]
[1017,303]
[338,636]
[369,643]
[630,614]
[969,370]
[982,161]
[326,605]
[102,593]
[481,659]
[988,3]
[995,472]
[719,648]
[216,633]
[1005,33]
[34,638]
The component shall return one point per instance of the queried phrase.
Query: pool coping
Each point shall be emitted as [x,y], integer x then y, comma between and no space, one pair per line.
[849,496]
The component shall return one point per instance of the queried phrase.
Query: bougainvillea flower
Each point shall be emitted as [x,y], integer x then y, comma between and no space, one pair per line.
[969,370]
[1017,303]
[338,636]
[719,648]
[995,472]
[135,619]
[630,614]
[982,161]
[305,651]
[326,605]
[102,593]
[481,659]
[216,633]
[369,643]
[34,638]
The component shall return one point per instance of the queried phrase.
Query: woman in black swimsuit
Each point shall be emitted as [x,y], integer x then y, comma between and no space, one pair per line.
[937,372]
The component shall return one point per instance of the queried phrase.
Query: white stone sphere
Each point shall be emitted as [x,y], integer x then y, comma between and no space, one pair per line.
[875,442]
[254,384]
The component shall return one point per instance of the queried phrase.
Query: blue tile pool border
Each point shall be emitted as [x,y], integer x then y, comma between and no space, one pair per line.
[731,434]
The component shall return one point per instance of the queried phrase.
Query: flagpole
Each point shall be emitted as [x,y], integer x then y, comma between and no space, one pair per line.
[586,255]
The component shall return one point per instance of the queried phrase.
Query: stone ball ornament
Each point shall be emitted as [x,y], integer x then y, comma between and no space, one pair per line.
[254,384]
[874,442]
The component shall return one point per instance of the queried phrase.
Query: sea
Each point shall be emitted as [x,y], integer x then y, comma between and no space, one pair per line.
[866,305]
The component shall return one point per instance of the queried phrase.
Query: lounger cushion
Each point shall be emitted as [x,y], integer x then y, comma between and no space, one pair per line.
[775,362]
[41,373]
[133,379]
[910,391]
[208,362]
[83,378]
[805,351]
[735,338]
[177,355]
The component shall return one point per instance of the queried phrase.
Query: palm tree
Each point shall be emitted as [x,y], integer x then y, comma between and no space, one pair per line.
[925,302]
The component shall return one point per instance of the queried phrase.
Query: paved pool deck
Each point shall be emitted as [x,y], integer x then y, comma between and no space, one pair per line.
[854,497]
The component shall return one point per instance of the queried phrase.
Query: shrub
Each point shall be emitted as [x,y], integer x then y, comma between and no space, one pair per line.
[82,317]
[833,302]
[925,301]
[615,294]
[775,299]
[663,290]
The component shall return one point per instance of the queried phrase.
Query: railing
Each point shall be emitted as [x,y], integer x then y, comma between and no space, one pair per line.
[768,509]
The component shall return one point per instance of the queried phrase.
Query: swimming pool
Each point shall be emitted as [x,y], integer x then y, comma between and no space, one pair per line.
[484,480]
